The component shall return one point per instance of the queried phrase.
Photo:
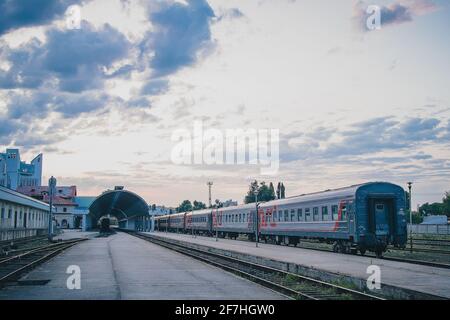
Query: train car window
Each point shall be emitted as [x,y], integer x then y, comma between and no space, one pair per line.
[292,214]
[316,213]
[299,215]
[380,206]
[286,215]
[307,214]
[334,212]
[274,216]
[324,213]
[280,214]
[3,213]
[344,213]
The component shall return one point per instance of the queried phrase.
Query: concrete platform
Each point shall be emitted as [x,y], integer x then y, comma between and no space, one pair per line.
[125,267]
[68,234]
[430,280]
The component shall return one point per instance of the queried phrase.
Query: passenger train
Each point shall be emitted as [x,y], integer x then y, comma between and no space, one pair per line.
[362,217]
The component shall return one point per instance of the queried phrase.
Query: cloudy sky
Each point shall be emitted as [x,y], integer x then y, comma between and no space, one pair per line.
[351,105]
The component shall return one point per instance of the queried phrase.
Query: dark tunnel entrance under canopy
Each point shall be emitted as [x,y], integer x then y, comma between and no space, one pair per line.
[122,204]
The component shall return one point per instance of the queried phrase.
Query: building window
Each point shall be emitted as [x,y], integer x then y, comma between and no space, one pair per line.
[324,213]
[334,212]
[64,209]
[316,213]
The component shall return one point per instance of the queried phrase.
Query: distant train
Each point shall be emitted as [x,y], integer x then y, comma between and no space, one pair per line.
[362,217]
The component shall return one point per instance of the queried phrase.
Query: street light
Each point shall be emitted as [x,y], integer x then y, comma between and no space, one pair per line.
[256,218]
[410,218]
[209,184]
[51,192]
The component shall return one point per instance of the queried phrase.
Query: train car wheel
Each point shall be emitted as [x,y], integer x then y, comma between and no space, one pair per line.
[379,254]
[336,247]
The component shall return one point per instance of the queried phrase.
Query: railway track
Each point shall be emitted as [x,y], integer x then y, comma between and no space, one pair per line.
[406,260]
[20,241]
[11,268]
[289,284]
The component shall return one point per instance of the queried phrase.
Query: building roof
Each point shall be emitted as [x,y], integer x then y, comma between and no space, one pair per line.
[9,195]
[64,194]
[84,202]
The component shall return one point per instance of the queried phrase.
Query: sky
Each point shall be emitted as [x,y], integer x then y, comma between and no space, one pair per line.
[101,101]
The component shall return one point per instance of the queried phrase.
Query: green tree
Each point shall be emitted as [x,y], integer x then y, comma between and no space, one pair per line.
[186,205]
[432,209]
[264,192]
[272,190]
[218,204]
[198,205]
[252,189]
[416,217]
[446,204]
[279,190]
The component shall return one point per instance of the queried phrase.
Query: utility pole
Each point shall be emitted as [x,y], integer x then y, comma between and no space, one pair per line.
[410,219]
[256,219]
[209,184]
[217,224]
[51,193]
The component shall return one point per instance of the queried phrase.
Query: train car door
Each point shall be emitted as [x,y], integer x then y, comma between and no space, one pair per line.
[351,217]
[380,214]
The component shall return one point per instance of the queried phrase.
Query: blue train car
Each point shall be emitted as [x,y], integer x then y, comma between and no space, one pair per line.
[361,217]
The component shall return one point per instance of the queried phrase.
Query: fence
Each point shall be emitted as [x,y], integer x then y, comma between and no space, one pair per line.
[430,228]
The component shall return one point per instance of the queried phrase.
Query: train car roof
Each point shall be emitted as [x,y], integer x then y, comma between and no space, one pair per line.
[239,207]
[329,193]
[197,212]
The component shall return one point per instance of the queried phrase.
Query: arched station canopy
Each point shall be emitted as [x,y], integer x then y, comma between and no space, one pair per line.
[122,204]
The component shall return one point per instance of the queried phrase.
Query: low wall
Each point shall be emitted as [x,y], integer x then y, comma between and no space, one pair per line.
[12,234]
[430,229]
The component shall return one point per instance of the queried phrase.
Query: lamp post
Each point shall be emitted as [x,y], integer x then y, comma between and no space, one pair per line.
[209,184]
[256,218]
[410,219]
[217,224]
[51,193]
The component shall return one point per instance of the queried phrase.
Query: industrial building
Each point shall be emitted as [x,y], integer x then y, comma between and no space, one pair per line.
[15,173]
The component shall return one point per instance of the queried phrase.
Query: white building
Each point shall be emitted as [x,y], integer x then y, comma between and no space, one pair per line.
[21,216]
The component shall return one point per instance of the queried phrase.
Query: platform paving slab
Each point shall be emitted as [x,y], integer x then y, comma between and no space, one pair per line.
[125,267]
